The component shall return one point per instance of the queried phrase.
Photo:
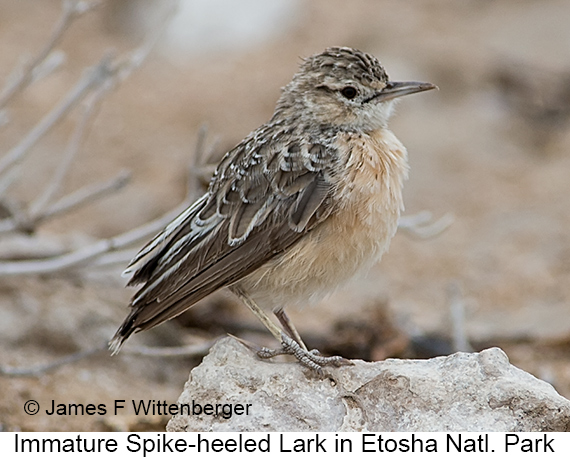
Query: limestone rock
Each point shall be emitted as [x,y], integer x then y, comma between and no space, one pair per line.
[461,392]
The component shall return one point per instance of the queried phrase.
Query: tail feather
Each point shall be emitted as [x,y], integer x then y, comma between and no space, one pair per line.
[127,328]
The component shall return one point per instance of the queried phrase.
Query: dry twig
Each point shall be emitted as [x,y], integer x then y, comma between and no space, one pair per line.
[24,76]
[460,341]
[94,77]
[71,151]
[93,86]
[423,226]
[190,350]
[84,255]
[39,370]
[85,195]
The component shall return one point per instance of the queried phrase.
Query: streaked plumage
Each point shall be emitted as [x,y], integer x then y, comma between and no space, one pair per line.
[297,208]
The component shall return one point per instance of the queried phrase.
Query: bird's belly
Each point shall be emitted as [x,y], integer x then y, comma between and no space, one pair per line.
[346,244]
[351,239]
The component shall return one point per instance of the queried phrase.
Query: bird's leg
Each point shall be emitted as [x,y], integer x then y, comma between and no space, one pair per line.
[288,326]
[310,359]
[289,345]
[261,315]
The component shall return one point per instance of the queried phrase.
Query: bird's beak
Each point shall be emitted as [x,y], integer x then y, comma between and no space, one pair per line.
[399,89]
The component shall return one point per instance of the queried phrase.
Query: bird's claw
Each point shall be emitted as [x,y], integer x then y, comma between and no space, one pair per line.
[311,359]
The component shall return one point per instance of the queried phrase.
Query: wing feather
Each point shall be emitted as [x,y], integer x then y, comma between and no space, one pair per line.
[259,203]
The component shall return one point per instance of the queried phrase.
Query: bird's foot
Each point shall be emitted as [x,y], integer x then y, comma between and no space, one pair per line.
[311,359]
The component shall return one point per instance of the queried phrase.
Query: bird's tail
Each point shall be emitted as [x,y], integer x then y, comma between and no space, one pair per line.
[125,330]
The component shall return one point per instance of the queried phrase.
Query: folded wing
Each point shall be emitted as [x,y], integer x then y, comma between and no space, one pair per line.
[260,202]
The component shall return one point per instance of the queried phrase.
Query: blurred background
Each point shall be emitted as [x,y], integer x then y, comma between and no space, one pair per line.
[86,158]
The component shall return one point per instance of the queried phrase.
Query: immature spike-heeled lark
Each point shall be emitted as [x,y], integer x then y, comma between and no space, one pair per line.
[297,208]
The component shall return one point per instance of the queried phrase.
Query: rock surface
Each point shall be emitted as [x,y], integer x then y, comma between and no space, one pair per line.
[461,392]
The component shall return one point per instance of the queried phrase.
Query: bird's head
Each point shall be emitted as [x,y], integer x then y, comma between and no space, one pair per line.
[344,87]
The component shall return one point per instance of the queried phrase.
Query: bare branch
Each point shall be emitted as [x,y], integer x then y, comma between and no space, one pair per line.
[18,82]
[93,77]
[457,310]
[423,226]
[53,264]
[22,220]
[193,181]
[73,145]
[52,62]
[8,179]
[16,246]
[4,118]
[88,253]
[99,80]
[84,196]
[121,257]
[190,350]
[139,55]
[18,219]
[104,252]
[39,370]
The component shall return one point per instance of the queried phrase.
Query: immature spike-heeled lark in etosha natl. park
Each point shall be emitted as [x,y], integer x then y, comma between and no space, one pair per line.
[300,206]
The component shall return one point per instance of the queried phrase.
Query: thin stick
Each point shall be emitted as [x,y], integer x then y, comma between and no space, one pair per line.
[8,179]
[71,11]
[105,76]
[52,63]
[94,76]
[106,73]
[39,370]
[193,181]
[24,221]
[71,151]
[85,195]
[121,257]
[423,226]
[190,350]
[457,311]
[88,253]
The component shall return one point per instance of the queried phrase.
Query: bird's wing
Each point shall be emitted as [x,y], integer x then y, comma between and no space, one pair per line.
[262,199]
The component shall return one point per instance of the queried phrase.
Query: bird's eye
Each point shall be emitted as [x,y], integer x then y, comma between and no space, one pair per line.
[349,92]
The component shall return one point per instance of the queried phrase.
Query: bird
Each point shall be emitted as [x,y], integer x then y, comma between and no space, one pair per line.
[299,207]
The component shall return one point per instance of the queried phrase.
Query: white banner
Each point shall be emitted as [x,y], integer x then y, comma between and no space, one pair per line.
[290,443]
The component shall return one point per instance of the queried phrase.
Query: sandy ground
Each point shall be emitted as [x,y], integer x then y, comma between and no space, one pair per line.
[491,148]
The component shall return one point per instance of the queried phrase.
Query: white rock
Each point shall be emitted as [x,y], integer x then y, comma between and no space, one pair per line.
[461,392]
